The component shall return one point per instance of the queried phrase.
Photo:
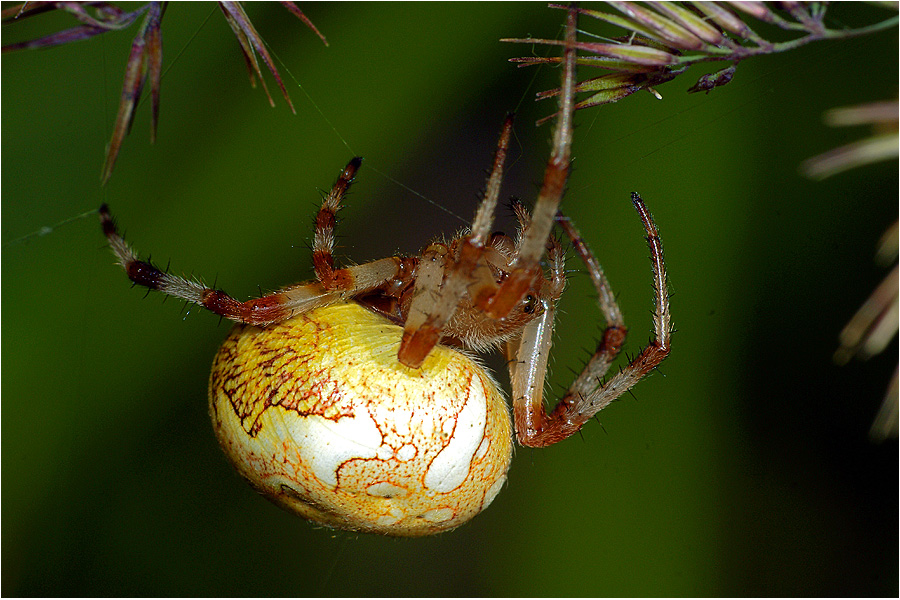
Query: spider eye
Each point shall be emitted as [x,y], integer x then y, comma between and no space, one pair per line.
[529,304]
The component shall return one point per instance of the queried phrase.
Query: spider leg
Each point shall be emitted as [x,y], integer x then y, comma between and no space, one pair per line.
[326,218]
[615,331]
[445,276]
[586,397]
[527,354]
[333,284]
[658,348]
[527,263]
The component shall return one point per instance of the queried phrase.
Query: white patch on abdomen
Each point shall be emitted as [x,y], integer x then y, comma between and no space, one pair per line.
[451,466]
[325,444]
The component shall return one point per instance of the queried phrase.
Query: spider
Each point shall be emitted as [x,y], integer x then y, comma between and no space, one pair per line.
[352,400]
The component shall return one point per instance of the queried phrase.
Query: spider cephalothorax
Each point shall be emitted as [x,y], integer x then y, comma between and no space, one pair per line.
[469,326]
[343,399]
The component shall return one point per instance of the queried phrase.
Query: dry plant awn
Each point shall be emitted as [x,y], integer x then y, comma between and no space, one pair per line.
[144,64]
[353,401]
[663,39]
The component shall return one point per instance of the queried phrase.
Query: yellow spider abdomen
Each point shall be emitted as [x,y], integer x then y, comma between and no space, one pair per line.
[320,416]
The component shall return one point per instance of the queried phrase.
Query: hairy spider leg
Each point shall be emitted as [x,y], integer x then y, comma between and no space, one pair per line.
[587,395]
[615,331]
[338,284]
[527,263]
[326,218]
[443,279]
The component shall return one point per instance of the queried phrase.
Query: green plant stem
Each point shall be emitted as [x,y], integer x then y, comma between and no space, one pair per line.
[740,53]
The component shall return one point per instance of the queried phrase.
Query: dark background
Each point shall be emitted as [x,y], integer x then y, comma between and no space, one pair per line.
[744,470]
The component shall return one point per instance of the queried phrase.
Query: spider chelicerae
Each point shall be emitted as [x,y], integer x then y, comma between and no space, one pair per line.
[343,400]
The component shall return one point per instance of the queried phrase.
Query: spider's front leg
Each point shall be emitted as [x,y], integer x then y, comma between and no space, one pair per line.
[587,395]
[140,272]
[333,285]
[445,274]
[527,264]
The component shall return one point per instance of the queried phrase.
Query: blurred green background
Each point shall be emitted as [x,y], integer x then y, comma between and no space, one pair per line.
[743,468]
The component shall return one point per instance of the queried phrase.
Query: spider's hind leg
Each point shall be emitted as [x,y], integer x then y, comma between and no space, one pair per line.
[587,395]
[615,331]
